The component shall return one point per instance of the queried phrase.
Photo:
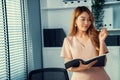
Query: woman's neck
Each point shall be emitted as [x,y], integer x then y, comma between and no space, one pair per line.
[81,34]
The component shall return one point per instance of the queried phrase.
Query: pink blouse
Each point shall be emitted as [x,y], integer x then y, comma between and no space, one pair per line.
[72,49]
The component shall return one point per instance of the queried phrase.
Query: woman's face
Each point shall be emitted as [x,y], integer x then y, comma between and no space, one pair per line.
[83,21]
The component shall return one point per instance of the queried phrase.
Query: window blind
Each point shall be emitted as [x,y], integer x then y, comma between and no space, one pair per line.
[3,73]
[16,48]
[13,62]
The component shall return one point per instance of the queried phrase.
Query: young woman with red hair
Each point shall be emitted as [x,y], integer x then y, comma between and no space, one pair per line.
[85,42]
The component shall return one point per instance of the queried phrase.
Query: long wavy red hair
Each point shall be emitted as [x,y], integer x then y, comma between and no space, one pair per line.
[92,32]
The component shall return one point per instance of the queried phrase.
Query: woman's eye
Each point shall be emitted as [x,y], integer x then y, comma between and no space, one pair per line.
[83,19]
[89,20]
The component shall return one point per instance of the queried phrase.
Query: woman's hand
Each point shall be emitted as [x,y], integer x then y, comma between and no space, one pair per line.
[81,67]
[103,34]
[87,66]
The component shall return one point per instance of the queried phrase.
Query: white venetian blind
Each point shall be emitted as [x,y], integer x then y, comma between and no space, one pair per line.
[13,50]
[3,72]
[16,40]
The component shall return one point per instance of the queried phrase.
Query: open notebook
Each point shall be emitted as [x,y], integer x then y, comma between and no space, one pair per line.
[76,62]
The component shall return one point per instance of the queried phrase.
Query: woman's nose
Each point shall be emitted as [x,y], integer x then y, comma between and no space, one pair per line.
[86,21]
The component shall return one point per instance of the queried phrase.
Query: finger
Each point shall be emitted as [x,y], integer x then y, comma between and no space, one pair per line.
[104,29]
[80,62]
[92,63]
[88,67]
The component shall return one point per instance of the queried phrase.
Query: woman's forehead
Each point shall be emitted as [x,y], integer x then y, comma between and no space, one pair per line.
[84,15]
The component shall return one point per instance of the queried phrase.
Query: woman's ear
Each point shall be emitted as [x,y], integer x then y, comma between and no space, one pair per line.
[76,23]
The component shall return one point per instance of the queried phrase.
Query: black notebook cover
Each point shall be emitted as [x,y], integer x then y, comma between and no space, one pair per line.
[76,62]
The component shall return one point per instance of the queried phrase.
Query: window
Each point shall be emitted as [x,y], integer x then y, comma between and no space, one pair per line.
[13,42]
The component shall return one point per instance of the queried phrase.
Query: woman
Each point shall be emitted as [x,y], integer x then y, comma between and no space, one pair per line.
[85,42]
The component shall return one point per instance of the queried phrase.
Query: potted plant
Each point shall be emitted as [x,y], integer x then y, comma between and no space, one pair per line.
[98,12]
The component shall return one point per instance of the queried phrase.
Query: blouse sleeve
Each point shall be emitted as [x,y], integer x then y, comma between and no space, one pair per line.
[65,52]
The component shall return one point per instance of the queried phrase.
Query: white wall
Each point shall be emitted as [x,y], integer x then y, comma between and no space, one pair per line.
[52,57]
[113,64]
[60,19]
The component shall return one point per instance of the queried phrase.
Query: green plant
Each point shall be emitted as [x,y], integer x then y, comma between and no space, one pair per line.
[98,12]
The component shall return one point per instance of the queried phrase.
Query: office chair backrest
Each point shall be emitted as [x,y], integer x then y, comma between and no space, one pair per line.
[49,74]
